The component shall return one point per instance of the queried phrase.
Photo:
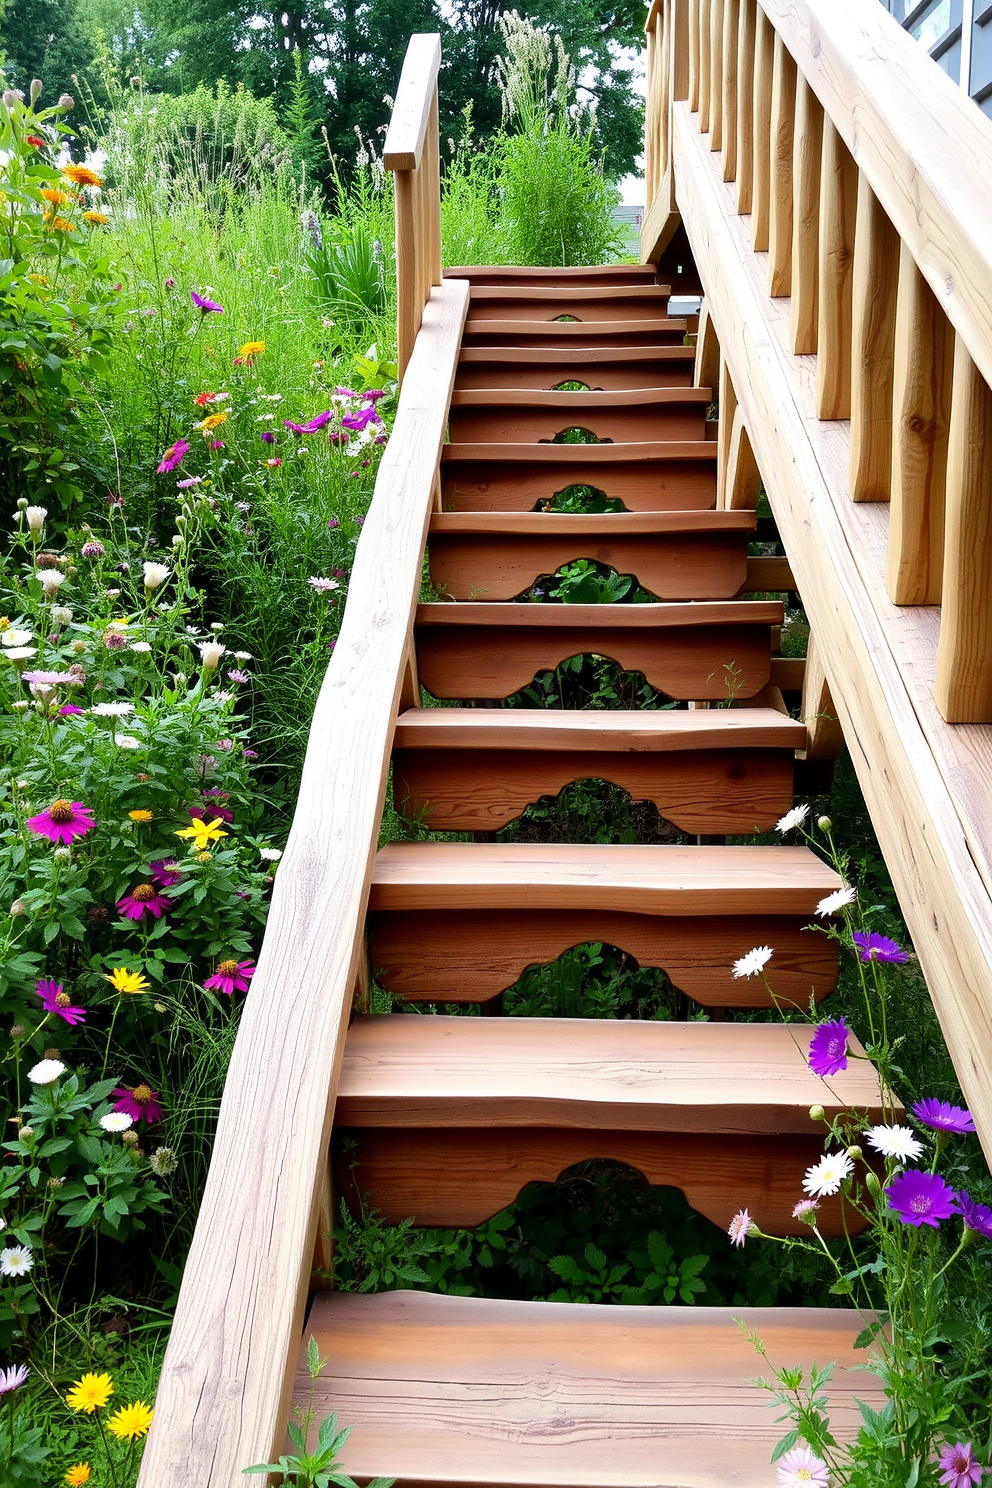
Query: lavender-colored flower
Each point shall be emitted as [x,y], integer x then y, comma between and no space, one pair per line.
[267,436]
[322,585]
[186,485]
[68,709]
[940,1116]
[237,676]
[13,1377]
[958,1466]
[173,457]
[332,523]
[919,1198]
[165,872]
[874,947]
[145,897]
[740,1227]
[92,549]
[54,999]
[112,639]
[976,1216]
[204,304]
[250,754]
[828,1048]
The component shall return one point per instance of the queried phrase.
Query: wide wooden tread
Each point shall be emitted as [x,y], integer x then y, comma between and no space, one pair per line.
[591,1073]
[632,878]
[581,332]
[550,356]
[580,401]
[539,294]
[604,617]
[655,450]
[635,731]
[483,1393]
[609,524]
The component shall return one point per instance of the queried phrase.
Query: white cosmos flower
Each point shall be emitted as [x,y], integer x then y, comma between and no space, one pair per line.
[826,1176]
[112,710]
[46,1072]
[116,1121]
[895,1141]
[20,653]
[15,1260]
[51,580]
[36,517]
[155,574]
[792,819]
[141,646]
[837,900]
[15,637]
[754,962]
[270,854]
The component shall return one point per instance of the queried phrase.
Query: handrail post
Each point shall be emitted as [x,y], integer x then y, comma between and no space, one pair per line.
[412,152]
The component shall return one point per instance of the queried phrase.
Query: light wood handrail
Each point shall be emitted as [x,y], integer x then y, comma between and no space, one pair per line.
[412,153]
[223,1398]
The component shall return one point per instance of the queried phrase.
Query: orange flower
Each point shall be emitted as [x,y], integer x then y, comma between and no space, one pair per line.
[55,196]
[97,218]
[211,421]
[81,175]
[202,399]
[59,224]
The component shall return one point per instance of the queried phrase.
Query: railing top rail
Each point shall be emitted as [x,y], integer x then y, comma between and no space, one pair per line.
[411,112]
[924,147]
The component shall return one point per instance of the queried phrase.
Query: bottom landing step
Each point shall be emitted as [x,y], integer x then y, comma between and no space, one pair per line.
[467,1391]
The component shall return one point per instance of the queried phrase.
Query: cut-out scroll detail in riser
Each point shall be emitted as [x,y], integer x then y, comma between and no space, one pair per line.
[652,477]
[525,416]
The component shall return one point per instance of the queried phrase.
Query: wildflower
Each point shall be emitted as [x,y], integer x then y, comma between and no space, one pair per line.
[51,679]
[270,854]
[36,517]
[16,1260]
[875,947]
[332,523]
[98,219]
[217,444]
[125,981]
[828,1048]
[90,1393]
[895,1141]
[919,1198]
[940,1116]
[802,1468]
[205,305]
[54,999]
[210,654]
[826,1176]
[322,585]
[173,456]
[202,833]
[112,639]
[958,1466]
[46,1072]
[13,1377]
[202,399]
[68,710]
[131,1421]
[792,819]
[112,710]
[837,900]
[753,963]
[312,426]
[250,351]
[360,419]
[63,821]
[155,574]
[81,175]
[51,581]
[141,647]
[56,197]
[222,813]
[165,873]
[740,1227]
[145,897]
[77,1475]
[61,614]
[35,141]
[141,816]
[13,637]
[212,421]
[804,1208]
[187,485]
[116,1121]
[139,1102]
[231,975]
[977,1217]
[267,436]
[250,754]
[237,676]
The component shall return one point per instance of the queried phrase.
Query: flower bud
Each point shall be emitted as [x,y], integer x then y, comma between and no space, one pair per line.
[17,1032]
[66,101]
[855,1153]
[26,1133]
[155,574]
[210,654]
[816,1113]
[20,706]
[130,1138]
[55,1183]
[18,908]
[62,854]
[22,503]
[872,1183]
[177,539]
[11,97]
[824,823]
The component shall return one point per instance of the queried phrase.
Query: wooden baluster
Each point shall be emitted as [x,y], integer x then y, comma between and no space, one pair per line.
[407,283]
[923,363]
[838,211]
[651,122]
[745,103]
[434,193]
[678,49]
[743,477]
[728,411]
[707,369]
[764,66]
[695,23]
[824,735]
[807,152]
[705,75]
[663,110]
[731,28]
[873,318]
[964,651]
[716,74]
[780,214]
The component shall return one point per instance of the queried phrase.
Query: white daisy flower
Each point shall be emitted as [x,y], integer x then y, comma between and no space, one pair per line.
[116,1121]
[895,1141]
[127,741]
[46,1072]
[112,710]
[270,854]
[15,1260]
[792,819]
[826,1176]
[837,900]
[140,646]
[754,962]
[15,637]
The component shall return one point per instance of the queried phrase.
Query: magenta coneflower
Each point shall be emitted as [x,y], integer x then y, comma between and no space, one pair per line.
[958,1467]
[68,710]
[165,872]
[140,1102]
[202,303]
[55,1000]
[62,822]
[941,1116]
[373,395]
[145,897]
[173,457]
[977,1217]
[919,1198]
[230,975]
[828,1048]
[874,947]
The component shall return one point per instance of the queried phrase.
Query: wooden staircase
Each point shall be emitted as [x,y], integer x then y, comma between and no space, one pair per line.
[448,1117]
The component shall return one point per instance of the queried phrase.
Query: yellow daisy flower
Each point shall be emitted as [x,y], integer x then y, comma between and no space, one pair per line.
[131,1421]
[203,833]
[211,421]
[123,980]
[141,816]
[59,224]
[78,1475]
[81,175]
[251,350]
[98,218]
[55,196]
[90,1393]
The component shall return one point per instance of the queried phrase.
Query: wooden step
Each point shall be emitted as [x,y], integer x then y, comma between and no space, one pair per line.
[475,769]
[645,477]
[596,275]
[459,922]
[710,651]
[674,555]
[449,1117]
[608,369]
[663,330]
[522,416]
[468,1391]
[544,302]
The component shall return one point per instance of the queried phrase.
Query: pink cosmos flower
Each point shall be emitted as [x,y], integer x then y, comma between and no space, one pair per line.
[802,1468]
[145,897]
[55,1000]
[68,709]
[139,1102]
[958,1466]
[828,1048]
[204,304]
[173,457]
[361,419]
[62,822]
[230,975]
[165,872]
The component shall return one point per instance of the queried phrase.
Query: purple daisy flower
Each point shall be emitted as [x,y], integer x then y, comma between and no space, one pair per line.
[237,676]
[165,872]
[12,1377]
[230,975]
[361,419]
[958,1466]
[173,457]
[55,1000]
[267,436]
[204,304]
[919,1198]
[977,1217]
[145,897]
[62,822]
[140,1102]
[373,395]
[68,709]
[332,523]
[828,1048]
[941,1116]
[874,947]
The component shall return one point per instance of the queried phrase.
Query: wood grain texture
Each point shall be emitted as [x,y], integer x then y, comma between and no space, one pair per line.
[716,74]
[707,370]
[527,275]
[407,132]
[727,407]
[807,146]
[743,484]
[521,416]
[442,1389]
[731,28]
[745,104]
[223,1395]
[838,213]
[873,318]
[963,688]
[642,730]
[646,478]
[764,66]
[694,60]
[824,735]
[921,415]
[781,129]
[599,305]
[657,331]
[705,69]
[769,576]
[607,369]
